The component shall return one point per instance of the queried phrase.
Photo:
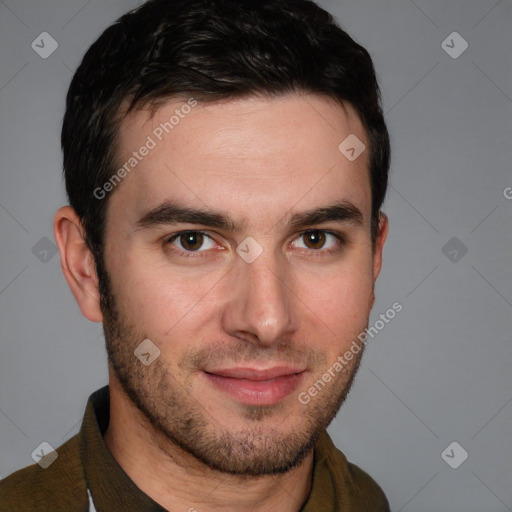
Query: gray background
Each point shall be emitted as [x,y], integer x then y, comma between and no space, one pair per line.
[437,373]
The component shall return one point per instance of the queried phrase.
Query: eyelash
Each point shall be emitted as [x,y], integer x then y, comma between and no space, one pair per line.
[341,241]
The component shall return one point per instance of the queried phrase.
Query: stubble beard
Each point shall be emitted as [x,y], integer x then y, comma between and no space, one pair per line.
[177,416]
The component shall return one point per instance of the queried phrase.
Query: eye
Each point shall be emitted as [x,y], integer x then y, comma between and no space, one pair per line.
[191,241]
[316,240]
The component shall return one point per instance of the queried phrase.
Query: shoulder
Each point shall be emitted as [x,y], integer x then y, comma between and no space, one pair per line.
[367,491]
[354,485]
[59,487]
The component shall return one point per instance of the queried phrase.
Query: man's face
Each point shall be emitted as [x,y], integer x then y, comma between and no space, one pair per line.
[241,334]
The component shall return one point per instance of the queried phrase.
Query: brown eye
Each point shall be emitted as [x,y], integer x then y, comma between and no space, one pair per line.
[314,239]
[320,242]
[191,241]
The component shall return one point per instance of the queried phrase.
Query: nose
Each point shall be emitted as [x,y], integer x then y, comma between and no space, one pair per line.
[262,304]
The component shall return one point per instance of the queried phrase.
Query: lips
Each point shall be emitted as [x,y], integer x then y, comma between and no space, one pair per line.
[252,386]
[256,374]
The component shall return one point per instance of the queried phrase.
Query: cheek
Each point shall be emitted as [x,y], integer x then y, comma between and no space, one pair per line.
[340,304]
[162,304]
[155,305]
[142,293]
[341,300]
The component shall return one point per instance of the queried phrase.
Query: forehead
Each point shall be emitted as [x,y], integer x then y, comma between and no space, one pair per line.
[253,157]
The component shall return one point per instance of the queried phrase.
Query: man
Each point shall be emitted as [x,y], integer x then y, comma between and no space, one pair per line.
[225,163]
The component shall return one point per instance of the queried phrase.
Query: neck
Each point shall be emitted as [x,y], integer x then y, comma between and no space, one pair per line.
[178,481]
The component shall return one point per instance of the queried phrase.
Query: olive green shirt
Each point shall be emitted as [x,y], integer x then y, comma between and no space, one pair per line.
[85,477]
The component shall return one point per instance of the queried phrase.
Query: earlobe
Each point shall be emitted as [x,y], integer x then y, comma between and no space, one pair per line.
[77,262]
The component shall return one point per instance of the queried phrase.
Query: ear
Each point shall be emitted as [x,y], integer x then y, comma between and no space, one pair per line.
[77,262]
[382,234]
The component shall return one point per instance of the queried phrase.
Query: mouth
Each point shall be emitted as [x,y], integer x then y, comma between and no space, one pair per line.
[252,386]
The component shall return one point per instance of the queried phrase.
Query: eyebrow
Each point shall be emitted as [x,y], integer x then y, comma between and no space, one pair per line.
[169,213]
[174,213]
[343,212]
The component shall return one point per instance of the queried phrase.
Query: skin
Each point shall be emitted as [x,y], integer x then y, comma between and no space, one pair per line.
[181,440]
